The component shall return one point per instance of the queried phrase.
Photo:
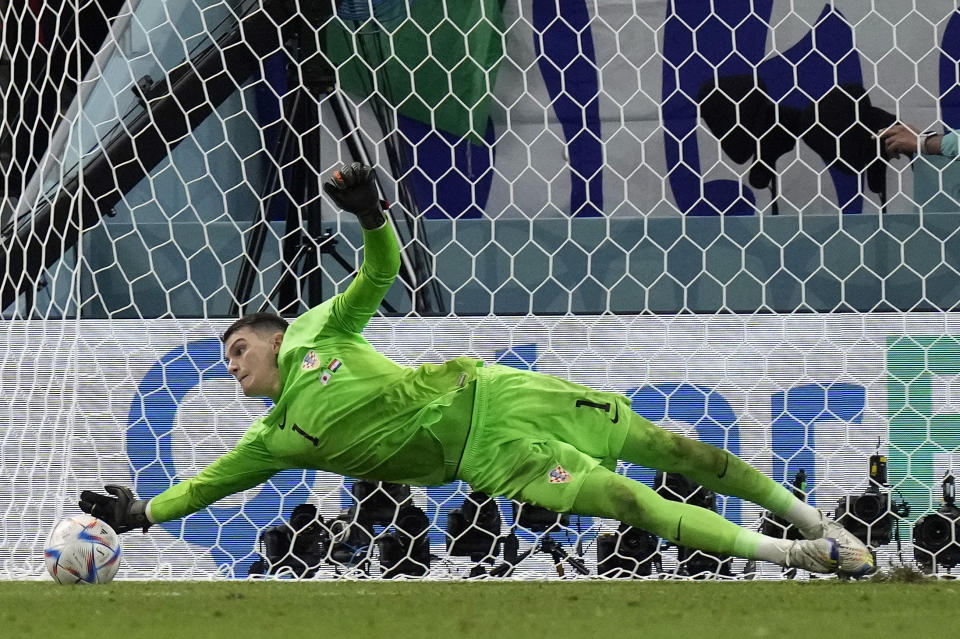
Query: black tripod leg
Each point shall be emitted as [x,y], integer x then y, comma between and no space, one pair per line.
[560,555]
[506,568]
[286,276]
[346,128]
[258,229]
[248,267]
[510,555]
[308,119]
[477,571]
[578,564]
[289,292]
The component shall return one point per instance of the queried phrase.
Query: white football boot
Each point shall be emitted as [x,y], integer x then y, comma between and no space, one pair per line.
[856,560]
[815,555]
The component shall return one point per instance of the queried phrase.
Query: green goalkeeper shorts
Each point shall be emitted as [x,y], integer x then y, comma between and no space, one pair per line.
[535,438]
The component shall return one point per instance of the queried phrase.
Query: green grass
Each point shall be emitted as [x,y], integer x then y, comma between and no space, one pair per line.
[462,610]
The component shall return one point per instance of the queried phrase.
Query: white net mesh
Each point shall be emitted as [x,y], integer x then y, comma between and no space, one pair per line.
[685,202]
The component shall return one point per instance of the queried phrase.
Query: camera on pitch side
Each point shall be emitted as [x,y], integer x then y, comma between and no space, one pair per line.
[352,531]
[300,546]
[403,543]
[677,487]
[297,547]
[871,515]
[538,519]
[473,530]
[936,537]
[629,552]
[405,550]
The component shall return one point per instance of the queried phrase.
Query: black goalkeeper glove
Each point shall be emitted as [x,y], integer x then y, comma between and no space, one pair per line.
[354,189]
[121,508]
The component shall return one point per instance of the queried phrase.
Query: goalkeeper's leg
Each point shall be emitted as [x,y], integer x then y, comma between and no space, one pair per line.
[607,494]
[722,472]
[541,409]
[648,445]
[548,408]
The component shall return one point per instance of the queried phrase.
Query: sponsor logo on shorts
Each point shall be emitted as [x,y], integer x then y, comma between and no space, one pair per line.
[559,476]
[310,361]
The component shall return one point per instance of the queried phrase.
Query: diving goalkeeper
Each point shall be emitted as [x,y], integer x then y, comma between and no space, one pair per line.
[341,406]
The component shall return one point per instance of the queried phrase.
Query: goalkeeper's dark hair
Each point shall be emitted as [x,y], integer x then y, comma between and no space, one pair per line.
[260,322]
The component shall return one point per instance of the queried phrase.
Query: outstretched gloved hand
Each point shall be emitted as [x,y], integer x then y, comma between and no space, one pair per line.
[120,508]
[354,189]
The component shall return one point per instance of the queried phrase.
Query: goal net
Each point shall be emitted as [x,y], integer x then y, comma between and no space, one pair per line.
[689,203]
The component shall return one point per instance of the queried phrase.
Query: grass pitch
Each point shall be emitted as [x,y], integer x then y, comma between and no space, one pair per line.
[464,610]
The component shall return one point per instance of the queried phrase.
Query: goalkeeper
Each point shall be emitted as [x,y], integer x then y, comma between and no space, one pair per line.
[341,406]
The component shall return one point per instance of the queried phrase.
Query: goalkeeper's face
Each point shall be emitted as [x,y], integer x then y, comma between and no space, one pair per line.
[252,360]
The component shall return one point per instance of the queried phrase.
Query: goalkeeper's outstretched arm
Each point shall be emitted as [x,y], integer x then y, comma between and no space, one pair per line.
[246,466]
[354,189]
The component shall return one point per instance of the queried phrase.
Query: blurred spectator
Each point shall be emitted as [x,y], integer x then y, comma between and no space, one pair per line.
[936,180]
[906,138]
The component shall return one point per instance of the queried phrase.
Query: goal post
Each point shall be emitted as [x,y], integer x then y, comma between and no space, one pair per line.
[688,203]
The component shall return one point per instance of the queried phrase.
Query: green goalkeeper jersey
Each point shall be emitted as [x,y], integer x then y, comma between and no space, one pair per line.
[344,407]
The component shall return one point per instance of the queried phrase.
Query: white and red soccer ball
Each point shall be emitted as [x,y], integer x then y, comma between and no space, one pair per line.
[82,550]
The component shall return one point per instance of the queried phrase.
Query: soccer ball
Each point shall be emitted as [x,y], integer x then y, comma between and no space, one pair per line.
[82,550]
